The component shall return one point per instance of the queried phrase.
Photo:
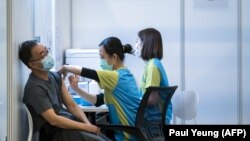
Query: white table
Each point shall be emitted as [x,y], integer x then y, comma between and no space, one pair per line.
[102,108]
[93,110]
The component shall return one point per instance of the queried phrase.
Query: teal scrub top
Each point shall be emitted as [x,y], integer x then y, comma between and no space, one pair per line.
[155,75]
[121,96]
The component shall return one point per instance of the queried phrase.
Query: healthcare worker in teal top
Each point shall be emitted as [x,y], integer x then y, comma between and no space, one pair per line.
[121,94]
[149,47]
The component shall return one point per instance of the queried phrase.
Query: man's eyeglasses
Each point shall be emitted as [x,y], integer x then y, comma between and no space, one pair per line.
[43,55]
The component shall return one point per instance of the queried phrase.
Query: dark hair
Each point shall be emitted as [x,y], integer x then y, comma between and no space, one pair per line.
[152,44]
[25,51]
[113,45]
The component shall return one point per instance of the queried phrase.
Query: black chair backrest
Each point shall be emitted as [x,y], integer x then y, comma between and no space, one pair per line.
[153,106]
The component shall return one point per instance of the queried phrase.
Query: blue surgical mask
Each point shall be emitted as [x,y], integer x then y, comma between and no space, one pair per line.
[48,62]
[104,65]
[138,48]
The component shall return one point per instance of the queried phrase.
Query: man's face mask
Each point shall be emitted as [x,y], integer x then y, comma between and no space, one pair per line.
[104,65]
[48,63]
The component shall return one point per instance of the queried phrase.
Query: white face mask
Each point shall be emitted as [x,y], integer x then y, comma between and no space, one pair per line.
[138,48]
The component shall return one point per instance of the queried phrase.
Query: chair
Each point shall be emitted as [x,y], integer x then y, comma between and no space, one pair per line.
[139,130]
[185,105]
[30,121]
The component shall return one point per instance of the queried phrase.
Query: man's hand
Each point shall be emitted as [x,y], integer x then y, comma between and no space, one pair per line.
[94,129]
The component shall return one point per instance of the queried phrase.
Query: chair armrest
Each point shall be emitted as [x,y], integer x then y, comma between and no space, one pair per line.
[128,129]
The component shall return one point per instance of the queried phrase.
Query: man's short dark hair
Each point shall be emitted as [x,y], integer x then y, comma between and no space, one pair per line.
[25,51]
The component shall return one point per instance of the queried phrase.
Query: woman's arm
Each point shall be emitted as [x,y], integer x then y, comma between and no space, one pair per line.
[153,97]
[85,72]
[89,73]
[70,68]
[74,85]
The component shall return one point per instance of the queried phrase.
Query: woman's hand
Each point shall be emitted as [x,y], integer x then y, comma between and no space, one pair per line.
[73,80]
[63,71]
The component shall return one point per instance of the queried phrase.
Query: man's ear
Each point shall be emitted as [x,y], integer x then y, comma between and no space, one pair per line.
[31,64]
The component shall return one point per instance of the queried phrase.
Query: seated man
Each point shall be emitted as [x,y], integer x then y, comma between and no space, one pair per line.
[45,94]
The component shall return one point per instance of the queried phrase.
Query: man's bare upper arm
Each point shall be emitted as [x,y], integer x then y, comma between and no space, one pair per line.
[66,96]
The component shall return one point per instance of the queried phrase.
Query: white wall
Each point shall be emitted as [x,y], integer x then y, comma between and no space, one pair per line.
[211,59]
[62,29]
[3,71]
[211,62]
[245,61]
[43,21]
[22,30]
